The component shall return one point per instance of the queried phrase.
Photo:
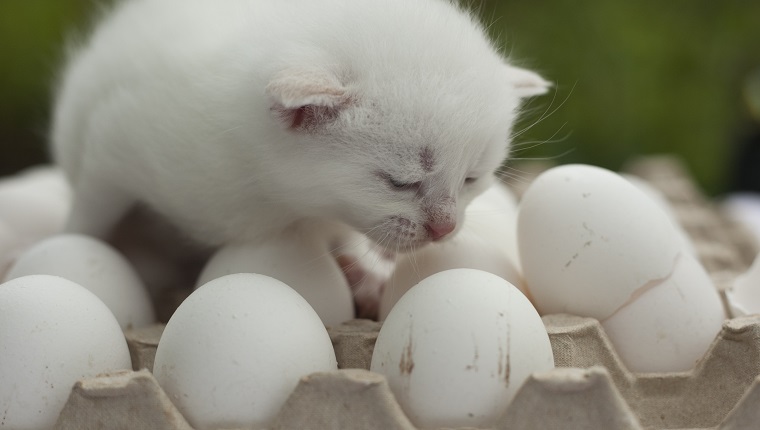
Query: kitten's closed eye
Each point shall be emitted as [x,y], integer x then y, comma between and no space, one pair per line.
[400,185]
[405,186]
[470,180]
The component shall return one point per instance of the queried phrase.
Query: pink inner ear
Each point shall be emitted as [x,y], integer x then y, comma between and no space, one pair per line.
[298,117]
[306,99]
[307,117]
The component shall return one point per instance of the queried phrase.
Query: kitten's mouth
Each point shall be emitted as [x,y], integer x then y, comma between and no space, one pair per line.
[398,234]
[404,247]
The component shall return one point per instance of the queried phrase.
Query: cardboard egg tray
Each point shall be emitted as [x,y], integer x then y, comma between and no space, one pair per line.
[589,389]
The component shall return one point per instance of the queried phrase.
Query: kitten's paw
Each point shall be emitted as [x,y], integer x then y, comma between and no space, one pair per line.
[366,274]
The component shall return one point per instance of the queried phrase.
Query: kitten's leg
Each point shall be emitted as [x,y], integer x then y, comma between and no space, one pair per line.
[367,268]
[97,207]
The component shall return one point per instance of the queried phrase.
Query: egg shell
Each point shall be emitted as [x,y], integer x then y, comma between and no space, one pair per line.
[487,241]
[744,209]
[236,348]
[669,325]
[96,266]
[31,214]
[299,261]
[9,248]
[466,250]
[457,346]
[589,239]
[744,295]
[659,198]
[493,215]
[35,203]
[46,177]
[53,332]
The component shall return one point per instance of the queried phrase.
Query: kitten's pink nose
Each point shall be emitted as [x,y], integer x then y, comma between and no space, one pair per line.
[438,230]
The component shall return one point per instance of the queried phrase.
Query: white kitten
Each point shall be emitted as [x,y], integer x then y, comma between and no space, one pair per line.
[236,118]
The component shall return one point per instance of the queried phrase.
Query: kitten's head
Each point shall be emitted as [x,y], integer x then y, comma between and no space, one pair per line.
[399,159]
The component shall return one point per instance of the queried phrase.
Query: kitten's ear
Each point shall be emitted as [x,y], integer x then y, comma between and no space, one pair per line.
[304,99]
[525,82]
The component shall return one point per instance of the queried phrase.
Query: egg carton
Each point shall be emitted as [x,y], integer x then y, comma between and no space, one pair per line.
[589,389]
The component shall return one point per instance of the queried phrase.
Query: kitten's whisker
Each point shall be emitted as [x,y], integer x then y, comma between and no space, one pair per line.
[547,113]
[514,177]
[511,170]
[414,264]
[524,146]
[517,171]
[349,245]
[547,158]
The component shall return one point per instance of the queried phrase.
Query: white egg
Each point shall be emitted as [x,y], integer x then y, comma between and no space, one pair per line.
[493,215]
[300,261]
[744,208]
[35,204]
[594,245]
[9,248]
[94,265]
[458,346]
[744,295]
[236,348]
[589,240]
[49,180]
[485,242]
[53,332]
[466,250]
[668,326]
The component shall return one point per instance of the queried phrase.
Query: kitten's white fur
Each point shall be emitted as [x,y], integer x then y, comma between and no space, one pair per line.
[237,118]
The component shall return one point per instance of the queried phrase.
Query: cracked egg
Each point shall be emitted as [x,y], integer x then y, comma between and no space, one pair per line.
[594,245]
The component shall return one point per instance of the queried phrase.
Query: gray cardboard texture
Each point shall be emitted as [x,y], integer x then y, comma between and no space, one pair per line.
[120,401]
[701,398]
[353,342]
[347,399]
[746,415]
[569,399]
[142,344]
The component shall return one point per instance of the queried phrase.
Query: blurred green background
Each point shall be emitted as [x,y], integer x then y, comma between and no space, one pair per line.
[632,77]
